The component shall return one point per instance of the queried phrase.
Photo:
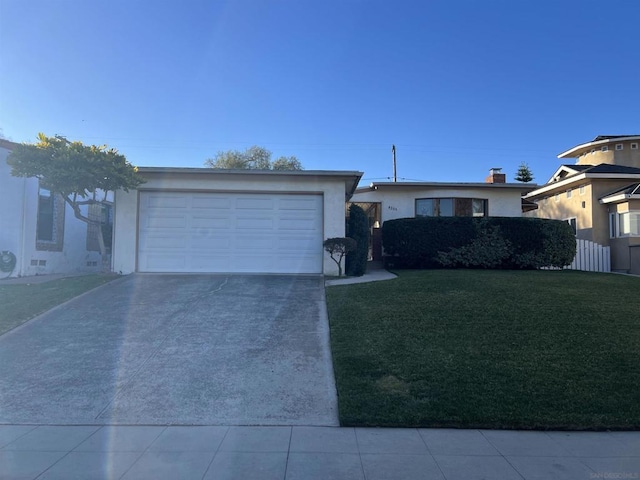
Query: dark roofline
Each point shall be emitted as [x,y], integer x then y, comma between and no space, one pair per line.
[525,187]
[8,144]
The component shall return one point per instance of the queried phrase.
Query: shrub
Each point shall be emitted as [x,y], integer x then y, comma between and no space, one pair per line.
[339,246]
[415,242]
[358,229]
[492,242]
[488,250]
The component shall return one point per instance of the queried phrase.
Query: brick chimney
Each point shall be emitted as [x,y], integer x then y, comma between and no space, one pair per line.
[495,176]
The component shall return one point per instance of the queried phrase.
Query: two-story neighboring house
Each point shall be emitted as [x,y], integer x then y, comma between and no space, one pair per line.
[599,195]
[36,227]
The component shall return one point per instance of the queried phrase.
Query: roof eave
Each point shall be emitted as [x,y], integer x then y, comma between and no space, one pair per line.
[582,176]
[571,153]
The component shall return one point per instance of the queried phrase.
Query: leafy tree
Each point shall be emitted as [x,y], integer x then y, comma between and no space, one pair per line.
[524,173]
[339,246]
[253,158]
[81,174]
[287,163]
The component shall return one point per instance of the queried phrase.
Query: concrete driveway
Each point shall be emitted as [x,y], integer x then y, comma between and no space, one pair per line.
[175,349]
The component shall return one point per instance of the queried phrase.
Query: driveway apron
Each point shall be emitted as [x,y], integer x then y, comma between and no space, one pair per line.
[175,349]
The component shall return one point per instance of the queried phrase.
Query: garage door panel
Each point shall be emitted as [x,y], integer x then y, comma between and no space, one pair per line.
[162,201]
[164,242]
[300,204]
[211,222]
[253,203]
[246,245]
[157,220]
[255,223]
[305,224]
[216,232]
[211,203]
[206,243]
[209,263]
[297,244]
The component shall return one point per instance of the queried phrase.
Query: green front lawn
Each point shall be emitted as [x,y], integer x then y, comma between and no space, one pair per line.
[19,303]
[492,349]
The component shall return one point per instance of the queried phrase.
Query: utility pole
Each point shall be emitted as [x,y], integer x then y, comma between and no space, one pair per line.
[393,150]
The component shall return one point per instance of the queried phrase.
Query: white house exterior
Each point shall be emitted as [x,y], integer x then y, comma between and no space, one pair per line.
[384,201]
[401,199]
[38,229]
[203,220]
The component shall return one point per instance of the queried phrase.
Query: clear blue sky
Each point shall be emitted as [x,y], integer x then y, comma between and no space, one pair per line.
[458,86]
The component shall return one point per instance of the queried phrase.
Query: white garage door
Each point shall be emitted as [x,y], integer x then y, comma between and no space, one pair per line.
[230,232]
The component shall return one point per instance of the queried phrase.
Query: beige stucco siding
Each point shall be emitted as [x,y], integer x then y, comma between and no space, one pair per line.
[126,214]
[592,216]
[626,156]
[559,206]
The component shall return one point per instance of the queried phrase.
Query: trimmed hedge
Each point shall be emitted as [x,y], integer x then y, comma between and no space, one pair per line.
[358,229]
[489,242]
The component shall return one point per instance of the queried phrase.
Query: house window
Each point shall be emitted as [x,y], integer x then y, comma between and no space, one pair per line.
[574,224]
[619,146]
[605,148]
[569,193]
[582,189]
[629,224]
[634,146]
[626,224]
[49,221]
[449,207]
[45,225]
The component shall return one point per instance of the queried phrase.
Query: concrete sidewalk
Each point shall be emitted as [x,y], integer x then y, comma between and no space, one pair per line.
[208,452]
[375,273]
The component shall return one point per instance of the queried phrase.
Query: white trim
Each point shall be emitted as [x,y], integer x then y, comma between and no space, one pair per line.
[568,220]
[571,152]
[583,176]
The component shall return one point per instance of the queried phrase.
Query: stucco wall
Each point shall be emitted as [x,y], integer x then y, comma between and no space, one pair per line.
[400,202]
[592,218]
[126,205]
[578,206]
[18,211]
[626,157]
[12,193]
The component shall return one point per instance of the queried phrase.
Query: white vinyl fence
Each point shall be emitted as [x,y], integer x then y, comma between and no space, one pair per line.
[591,257]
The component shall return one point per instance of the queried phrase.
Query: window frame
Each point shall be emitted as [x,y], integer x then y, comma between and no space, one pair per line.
[436,207]
[55,242]
[616,228]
